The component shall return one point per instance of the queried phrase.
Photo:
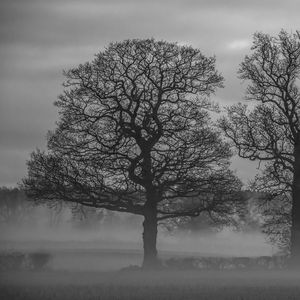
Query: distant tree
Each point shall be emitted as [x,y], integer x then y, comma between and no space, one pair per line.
[135,136]
[251,214]
[270,131]
[55,215]
[85,217]
[210,222]
[14,207]
[203,224]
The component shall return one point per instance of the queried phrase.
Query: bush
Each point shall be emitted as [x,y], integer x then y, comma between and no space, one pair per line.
[38,260]
[227,263]
[11,261]
[132,268]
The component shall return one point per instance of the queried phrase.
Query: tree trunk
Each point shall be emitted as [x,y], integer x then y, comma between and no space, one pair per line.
[295,229]
[149,238]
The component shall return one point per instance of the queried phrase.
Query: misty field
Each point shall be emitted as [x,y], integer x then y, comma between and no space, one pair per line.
[70,276]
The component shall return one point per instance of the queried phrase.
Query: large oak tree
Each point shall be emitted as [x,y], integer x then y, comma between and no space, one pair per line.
[270,131]
[135,136]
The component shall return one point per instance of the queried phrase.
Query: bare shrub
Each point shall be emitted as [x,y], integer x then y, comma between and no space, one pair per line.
[38,260]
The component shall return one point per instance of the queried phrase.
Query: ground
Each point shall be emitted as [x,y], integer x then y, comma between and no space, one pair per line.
[96,275]
[149,285]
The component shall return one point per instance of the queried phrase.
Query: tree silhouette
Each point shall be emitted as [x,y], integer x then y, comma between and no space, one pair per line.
[270,132]
[135,136]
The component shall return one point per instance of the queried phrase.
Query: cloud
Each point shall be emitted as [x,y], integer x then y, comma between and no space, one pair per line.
[238,45]
[40,38]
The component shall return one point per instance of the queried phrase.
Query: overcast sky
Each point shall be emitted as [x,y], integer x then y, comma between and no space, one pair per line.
[40,38]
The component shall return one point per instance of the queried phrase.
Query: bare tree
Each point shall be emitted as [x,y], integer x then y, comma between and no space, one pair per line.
[135,136]
[270,132]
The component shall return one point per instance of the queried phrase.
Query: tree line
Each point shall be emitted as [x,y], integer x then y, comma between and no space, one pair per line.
[17,210]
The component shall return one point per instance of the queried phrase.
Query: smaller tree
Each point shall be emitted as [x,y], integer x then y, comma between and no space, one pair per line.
[270,132]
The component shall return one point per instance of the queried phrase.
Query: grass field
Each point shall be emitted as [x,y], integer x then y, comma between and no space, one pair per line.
[149,285]
[94,274]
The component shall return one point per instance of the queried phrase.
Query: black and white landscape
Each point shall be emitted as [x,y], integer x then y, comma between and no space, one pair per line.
[149,149]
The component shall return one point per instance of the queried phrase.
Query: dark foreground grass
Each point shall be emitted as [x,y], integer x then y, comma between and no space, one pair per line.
[150,285]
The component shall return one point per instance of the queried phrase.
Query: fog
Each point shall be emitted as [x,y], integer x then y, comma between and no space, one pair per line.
[224,242]
[97,256]
[119,240]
